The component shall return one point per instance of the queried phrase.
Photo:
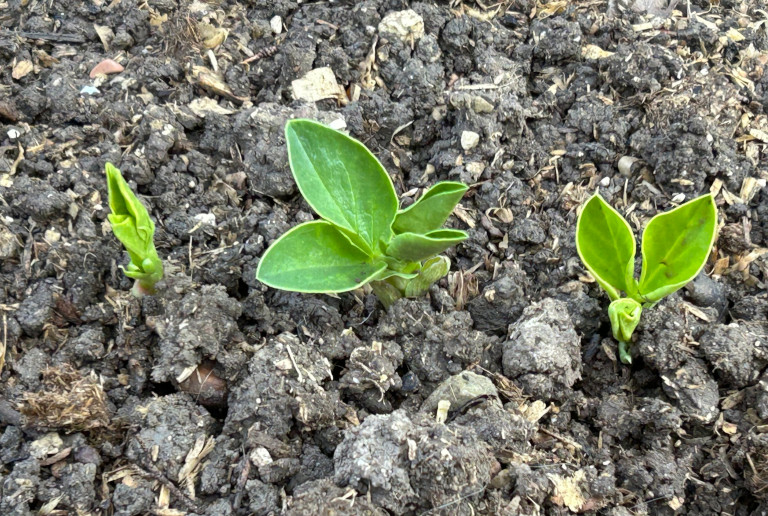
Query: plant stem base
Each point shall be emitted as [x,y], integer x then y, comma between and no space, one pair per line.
[624,354]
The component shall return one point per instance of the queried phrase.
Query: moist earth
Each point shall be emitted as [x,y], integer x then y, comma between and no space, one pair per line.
[220,396]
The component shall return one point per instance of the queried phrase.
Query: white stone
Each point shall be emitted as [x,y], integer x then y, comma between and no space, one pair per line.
[260,457]
[207,219]
[469,139]
[49,444]
[339,124]
[475,169]
[277,24]
[407,25]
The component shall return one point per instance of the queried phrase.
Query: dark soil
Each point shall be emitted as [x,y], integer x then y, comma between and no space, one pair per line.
[220,396]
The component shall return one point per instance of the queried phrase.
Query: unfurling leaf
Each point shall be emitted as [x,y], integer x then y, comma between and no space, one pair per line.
[624,314]
[413,247]
[134,228]
[432,271]
[431,210]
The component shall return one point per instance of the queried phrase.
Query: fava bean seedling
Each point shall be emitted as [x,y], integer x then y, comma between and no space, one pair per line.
[362,237]
[675,248]
[132,226]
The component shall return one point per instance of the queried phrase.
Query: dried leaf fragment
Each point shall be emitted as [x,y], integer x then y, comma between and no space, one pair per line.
[206,105]
[595,52]
[568,491]
[208,80]
[212,36]
[318,84]
[22,69]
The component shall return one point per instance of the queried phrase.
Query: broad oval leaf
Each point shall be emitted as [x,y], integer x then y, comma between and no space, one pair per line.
[316,257]
[606,246]
[675,247]
[343,182]
[431,210]
[413,247]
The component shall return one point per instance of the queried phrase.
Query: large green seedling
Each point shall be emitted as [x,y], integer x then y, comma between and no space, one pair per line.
[362,237]
[132,226]
[675,248]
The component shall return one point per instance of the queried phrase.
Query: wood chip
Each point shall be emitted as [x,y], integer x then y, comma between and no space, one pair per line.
[106,35]
[53,459]
[595,52]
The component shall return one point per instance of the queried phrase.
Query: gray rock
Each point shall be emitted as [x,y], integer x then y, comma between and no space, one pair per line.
[694,389]
[542,352]
[132,501]
[412,463]
[36,310]
[459,389]
[736,352]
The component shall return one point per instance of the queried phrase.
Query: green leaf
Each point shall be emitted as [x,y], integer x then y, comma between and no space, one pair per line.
[389,273]
[606,245]
[316,257]
[134,228]
[433,269]
[413,247]
[343,182]
[431,210]
[675,247]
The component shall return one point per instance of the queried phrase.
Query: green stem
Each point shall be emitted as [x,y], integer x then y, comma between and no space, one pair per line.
[624,354]
[141,289]
[386,292]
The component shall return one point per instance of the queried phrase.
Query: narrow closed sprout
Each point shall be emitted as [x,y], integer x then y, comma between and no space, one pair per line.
[674,249]
[134,228]
[362,237]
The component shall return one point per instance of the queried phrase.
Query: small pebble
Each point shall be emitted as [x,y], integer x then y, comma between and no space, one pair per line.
[106,67]
[480,105]
[469,139]
[87,455]
[277,24]
[89,90]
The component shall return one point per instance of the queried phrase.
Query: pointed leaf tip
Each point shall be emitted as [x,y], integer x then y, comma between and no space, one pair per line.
[675,247]
[343,182]
[606,246]
[431,210]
